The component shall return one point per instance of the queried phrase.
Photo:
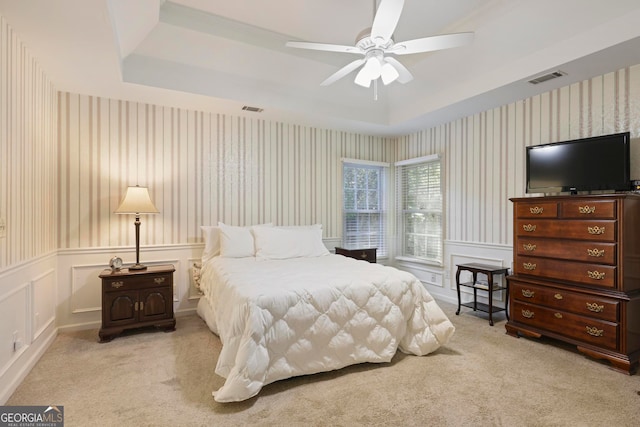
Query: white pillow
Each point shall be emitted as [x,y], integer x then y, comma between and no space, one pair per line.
[289,242]
[237,242]
[211,236]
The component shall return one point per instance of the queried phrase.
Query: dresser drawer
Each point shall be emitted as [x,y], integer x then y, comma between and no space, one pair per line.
[575,302]
[537,210]
[601,231]
[600,252]
[588,330]
[589,209]
[579,272]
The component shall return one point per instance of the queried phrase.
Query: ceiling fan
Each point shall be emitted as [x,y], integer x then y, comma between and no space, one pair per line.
[376,46]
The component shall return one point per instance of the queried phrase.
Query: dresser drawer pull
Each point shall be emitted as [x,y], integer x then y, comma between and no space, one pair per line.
[159,280]
[596,275]
[528,266]
[138,306]
[595,230]
[117,285]
[598,253]
[558,315]
[536,210]
[135,306]
[558,296]
[529,247]
[586,209]
[593,331]
[529,227]
[595,307]
[528,314]
[363,255]
[527,293]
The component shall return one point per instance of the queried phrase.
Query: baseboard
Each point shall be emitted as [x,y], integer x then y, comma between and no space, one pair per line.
[32,355]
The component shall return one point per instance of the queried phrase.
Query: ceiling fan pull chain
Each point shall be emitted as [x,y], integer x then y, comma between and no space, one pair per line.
[375,90]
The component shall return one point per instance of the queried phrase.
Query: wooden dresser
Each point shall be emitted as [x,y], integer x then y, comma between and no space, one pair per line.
[368,254]
[577,274]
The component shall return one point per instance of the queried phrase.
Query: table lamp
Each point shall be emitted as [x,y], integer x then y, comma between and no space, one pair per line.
[137,201]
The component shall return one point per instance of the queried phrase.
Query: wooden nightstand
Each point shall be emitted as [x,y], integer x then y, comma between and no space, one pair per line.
[368,254]
[133,299]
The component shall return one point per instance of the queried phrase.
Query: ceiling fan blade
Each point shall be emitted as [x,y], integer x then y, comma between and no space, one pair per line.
[405,74]
[342,72]
[386,20]
[429,44]
[324,47]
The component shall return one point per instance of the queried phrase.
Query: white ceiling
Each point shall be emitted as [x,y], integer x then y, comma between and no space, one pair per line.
[219,55]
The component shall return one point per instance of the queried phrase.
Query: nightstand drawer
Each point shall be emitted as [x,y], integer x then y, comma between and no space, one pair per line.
[368,254]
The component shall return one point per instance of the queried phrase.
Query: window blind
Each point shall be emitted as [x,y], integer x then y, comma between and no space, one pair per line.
[420,209]
[364,207]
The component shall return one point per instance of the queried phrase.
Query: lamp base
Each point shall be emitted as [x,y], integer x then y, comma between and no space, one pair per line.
[138,267]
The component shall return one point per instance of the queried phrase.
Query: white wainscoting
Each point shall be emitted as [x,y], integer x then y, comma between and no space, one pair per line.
[27,317]
[440,281]
[80,288]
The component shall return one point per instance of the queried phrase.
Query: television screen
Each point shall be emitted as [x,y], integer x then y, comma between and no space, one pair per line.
[589,164]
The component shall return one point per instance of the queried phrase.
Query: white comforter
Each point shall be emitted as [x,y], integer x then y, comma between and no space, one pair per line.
[282,318]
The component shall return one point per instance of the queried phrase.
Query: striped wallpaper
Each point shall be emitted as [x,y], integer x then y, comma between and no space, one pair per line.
[200,168]
[28,170]
[484,154]
[66,160]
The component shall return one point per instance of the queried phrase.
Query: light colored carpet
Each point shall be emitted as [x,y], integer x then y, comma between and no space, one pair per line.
[482,377]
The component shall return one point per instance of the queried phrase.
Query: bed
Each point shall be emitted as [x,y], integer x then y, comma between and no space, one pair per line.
[284,306]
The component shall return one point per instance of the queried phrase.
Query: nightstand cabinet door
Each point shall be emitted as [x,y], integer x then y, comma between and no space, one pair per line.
[132,299]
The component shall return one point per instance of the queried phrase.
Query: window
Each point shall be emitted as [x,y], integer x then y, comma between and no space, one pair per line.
[364,205]
[420,208]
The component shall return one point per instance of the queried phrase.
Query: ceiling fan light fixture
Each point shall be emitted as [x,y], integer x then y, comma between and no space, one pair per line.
[389,74]
[362,78]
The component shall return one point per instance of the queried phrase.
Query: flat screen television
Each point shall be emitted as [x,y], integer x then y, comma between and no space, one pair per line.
[600,163]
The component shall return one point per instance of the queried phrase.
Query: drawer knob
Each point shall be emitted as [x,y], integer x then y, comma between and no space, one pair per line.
[598,253]
[536,210]
[528,314]
[529,266]
[159,280]
[117,284]
[528,293]
[595,230]
[596,275]
[529,247]
[558,296]
[558,315]
[595,307]
[595,332]
[529,227]
[587,210]
[363,255]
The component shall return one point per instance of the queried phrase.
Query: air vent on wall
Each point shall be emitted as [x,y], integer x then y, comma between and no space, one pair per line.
[547,77]
[252,109]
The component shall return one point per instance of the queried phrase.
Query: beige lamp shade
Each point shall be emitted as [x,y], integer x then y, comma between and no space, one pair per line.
[136,201]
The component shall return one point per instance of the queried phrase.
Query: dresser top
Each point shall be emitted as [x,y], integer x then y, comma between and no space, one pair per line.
[151,269]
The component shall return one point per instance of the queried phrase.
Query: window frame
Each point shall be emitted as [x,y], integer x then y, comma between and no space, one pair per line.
[402,255]
[382,190]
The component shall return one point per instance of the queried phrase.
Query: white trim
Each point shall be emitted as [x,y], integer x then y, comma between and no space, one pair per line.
[429,158]
[365,162]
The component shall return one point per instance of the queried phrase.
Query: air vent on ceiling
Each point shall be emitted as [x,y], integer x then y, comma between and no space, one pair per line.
[547,77]
[252,109]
